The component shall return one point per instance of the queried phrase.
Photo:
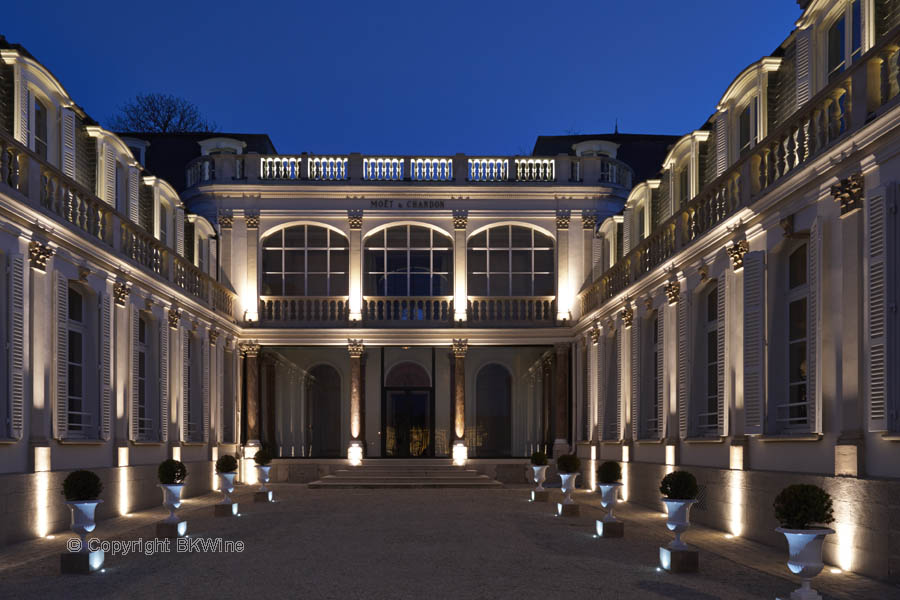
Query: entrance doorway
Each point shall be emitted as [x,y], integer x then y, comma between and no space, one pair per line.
[407,412]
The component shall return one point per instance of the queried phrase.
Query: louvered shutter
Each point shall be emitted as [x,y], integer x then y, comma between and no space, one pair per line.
[62,357]
[135,373]
[684,365]
[163,380]
[134,212]
[186,415]
[635,377]
[601,377]
[109,175]
[721,329]
[179,231]
[220,391]
[105,366]
[660,372]
[68,142]
[721,142]
[213,258]
[626,232]
[590,369]
[619,399]
[24,129]
[881,300]
[802,66]
[205,370]
[754,341]
[17,346]
[813,349]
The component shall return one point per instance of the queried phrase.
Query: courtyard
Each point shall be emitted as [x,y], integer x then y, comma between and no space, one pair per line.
[419,543]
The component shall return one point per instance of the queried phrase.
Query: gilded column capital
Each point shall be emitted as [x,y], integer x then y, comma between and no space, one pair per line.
[627,314]
[459,347]
[355,218]
[252,218]
[39,252]
[174,316]
[249,349]
[849,192]
[673,291]
[460,218]
[225,218]
[595,333]
[213,336]
[562,218]
[356,348]
[736,252]
[588,219]
[120,293]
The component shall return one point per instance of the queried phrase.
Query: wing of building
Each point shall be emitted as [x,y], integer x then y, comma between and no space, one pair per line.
[723,301]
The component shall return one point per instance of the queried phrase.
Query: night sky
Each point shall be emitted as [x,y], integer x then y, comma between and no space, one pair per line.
[408,77]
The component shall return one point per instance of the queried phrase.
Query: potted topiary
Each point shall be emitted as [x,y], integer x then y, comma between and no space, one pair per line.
[799,508]
[680,491]
[226,468]
[171,474]
[539,472]
[568,466]
[609,480]
[262,458]
[82,491]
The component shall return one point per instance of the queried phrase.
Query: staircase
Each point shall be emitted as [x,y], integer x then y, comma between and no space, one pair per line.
[401,473]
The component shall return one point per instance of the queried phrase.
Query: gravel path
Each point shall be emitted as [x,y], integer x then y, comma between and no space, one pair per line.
[426,543]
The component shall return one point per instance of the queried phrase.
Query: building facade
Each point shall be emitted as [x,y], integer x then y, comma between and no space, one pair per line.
[724,301]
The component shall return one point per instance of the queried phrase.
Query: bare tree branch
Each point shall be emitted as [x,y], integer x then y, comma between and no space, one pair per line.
[160,113]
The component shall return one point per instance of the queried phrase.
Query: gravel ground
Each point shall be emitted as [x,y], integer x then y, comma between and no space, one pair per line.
[424,543]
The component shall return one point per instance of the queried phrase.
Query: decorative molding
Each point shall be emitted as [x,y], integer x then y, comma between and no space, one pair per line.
[588,219]
[213,336]
[174,316]
[673,290]
[39,253]
[120,293]
[249,349]
[83,273]
[703,269]
[460,218]
[595,333]
[849,192]
[736,252]
[252,218]
[648,302]
[459,347]
[356,348]
[355,218]
[787,226]
[627,314]
[225,218]
[562,218]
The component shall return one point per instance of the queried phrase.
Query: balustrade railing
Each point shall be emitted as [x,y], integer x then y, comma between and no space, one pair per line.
[327,168]
[74,204]
[280,167]
[488,169]
[383,169]
[303,309]
[401,310]
[144,249]
[201,170]
[431,169]
[535,169]
[511,311]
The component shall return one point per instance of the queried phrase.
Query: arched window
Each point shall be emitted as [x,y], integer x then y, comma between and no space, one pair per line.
[324,416]
[493,399]
[305,260]
[408,260]
[510,260]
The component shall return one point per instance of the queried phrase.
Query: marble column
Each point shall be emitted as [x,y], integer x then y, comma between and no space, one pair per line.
[460,451]
[547,399]
[225,223]
[356,350]
[250,354]
[460,293]
[251,286]
[355,221]
[564,295]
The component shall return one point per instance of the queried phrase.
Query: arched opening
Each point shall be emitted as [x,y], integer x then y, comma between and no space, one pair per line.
[324,416]
[408,412]
[493,404]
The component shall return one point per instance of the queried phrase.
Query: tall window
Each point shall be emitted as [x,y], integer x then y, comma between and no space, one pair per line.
[40,129]
[793,414]
[80,421]
[707,418]
[651,384]
[121,186]
[844,41]
[510,260]
[746,137]
[611,388]
[164,223]
[641,225]
[305,260]
[684,191]
[193,401]
[408,260]
[145,419]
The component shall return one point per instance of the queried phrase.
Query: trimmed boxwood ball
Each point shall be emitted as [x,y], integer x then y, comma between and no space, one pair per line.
[800,505]
[609,472]
[82,485]
[679,485]
[226,464]
[262,457]
[538,459]
[171,472]
[568,463]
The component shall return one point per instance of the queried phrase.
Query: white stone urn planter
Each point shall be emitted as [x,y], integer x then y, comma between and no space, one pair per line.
[226,484]
[171,499]
[83,519]
[609,497]
[262,474]
[805,558]
[678,520]
[540,476]
[568,486]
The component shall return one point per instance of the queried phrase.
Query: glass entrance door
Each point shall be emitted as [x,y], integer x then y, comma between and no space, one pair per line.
[408,423]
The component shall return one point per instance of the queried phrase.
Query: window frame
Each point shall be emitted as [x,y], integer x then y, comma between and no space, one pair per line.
[371,286]
[335,280]
[650,427]
[488,250]
[88,428]
[701,350]
[798,293]
[41,145]
[851,41]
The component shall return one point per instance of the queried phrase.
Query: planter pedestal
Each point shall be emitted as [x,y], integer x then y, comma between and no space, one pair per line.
[567,510]
[805,558]
[265,496]
[80,563]
[171,527]
[539,496]
[610,529]
[171,530]
[679,560]
[225,509]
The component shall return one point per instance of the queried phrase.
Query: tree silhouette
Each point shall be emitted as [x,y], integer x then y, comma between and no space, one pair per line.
[160,113]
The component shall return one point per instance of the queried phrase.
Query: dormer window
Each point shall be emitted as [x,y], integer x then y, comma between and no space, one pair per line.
[746,127]
[684,189]
[40,129]
[844,40]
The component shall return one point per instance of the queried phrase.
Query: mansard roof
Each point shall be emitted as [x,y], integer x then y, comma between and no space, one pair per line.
[644,153]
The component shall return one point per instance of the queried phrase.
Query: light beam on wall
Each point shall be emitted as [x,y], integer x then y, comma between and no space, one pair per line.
[626,472]
[736,501]
[42,491]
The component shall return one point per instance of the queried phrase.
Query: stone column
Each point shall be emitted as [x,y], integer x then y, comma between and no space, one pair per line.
[561,400]
[355,220]
[563,287]
[272,396]
[250,354]
[588,224]
[225,222]
[357,427]
[459,348]
[460,294]
[547,399]
[251,286]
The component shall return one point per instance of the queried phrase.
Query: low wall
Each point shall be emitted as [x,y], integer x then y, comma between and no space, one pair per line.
[305,470]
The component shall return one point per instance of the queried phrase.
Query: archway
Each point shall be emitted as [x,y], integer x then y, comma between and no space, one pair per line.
[407,412]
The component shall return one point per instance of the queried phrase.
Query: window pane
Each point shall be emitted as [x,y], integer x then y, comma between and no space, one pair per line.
[712,350]
[293,261]
[542,241]
[316,261]
[316,237]
[836,46]
[712,381]
[543,261]
[295,237]
[75,388]
[441,285]
[797,320]
[271,260]
[396,285]
[419,237]
[316,285]
[797,362]
[76,309]
[374,261]
[499,261]
[376,240]
[477,261]
[477,285]
[479,240]
[797,268]
[521,237]
[339,261]
[75,347]
[521,261]
[294,286]
[499,285]
[273,241]
[439,240]
[396,261]
[419,260]
[374,285]
[271,285]
[142,330]
[336,240]
[420,285]
[712,305]
[521,285]
[857,27]
[543,285]
[442,261]
[396,237]
[498,237]
[338,285]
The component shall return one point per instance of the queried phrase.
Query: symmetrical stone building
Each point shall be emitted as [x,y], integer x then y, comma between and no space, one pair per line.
[724,302]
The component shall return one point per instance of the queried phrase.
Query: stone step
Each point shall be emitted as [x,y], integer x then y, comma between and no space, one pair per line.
[350,484]
[400,473]
[405,479]
[403,472]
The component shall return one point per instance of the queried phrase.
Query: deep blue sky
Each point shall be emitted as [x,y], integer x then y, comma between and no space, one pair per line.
[408,77]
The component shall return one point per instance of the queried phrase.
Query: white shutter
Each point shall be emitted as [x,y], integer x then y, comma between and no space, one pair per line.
[68,142]
[205,370]
[684,365]
[814,341]
[881,299]
[220,390]
[635,376]
[754,341]
[17,346]
[721,329]
[802,66]
[590,370]
[185,385]
[721,142]
[62,356]
[626,232]
[213,258]
[105,366]
[620,359]
[24,128]
[109,175]
[601,377]
[135,373]
[179,231]
[133,200]
[660,371]
[163,380]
